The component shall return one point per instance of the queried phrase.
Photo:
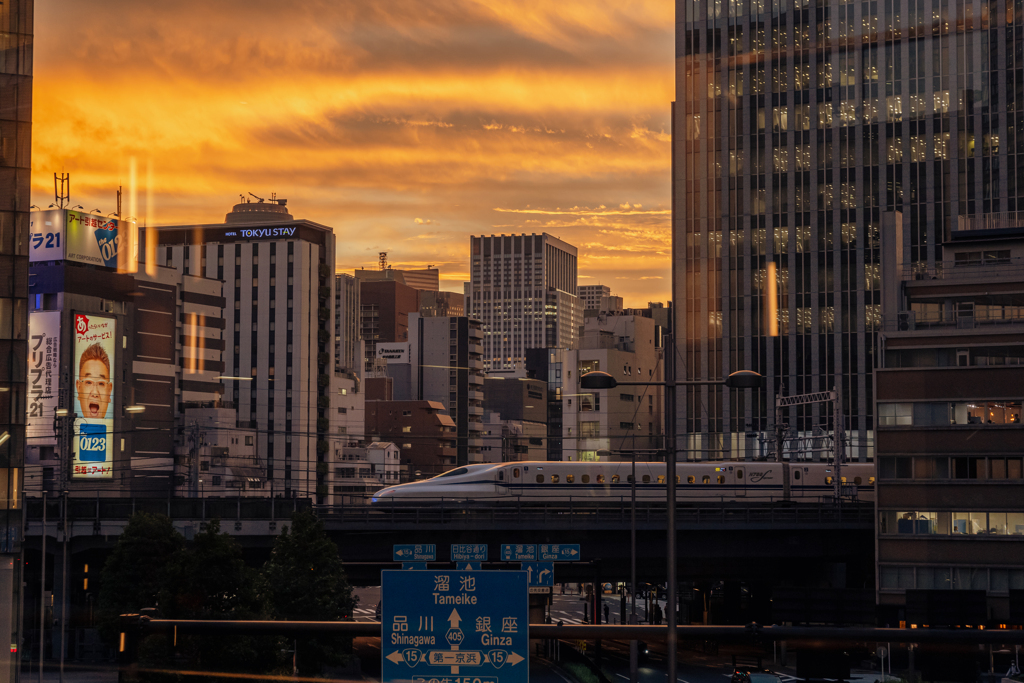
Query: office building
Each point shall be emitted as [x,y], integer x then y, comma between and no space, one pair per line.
[16,118]
[384,308]
[523,289]
[949,392]
[348,354]
[795,127]
[620,423]
[439,304]
[424,280]
[422,430]
[279,370]
[553,367]
[599,299]
[359,471]
[442,362]
[515,417]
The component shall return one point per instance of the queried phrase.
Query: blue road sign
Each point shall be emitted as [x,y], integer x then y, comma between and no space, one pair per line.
[414,565]
[455,625]
[467,566]
[539,573]
[559,552]
[469,552]
[518,552]
[415,553]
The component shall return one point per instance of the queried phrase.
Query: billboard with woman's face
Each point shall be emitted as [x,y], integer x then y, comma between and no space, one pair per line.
[94,363]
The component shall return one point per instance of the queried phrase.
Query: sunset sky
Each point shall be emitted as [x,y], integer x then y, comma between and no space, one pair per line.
[406,126]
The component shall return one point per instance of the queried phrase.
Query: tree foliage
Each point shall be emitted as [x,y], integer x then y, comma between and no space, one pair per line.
[209,579]
[136,570]
[306,581]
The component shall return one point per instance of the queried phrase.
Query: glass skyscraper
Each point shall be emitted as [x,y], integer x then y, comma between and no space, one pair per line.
[797,125]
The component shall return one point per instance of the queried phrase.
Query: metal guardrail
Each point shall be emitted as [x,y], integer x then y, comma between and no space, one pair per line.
[569,514]
[749,633]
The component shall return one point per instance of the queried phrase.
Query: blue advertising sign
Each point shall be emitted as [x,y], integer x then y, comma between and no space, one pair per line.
[559,552]
[469,552]
[415,553]
[519,552]
[539,573]
[463,627]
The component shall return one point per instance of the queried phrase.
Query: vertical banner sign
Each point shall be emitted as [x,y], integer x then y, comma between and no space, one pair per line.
[43,376]
[94,362]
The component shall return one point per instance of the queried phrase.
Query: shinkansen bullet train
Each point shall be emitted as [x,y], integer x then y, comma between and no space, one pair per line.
[547,482]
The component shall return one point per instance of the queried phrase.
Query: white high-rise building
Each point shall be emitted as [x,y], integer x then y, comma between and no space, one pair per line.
[279,369]
[523,289]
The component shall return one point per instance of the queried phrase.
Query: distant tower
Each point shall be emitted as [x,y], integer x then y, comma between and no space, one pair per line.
[383,260]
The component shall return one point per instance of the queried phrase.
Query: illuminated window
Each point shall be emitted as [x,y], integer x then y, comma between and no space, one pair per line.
[691,479]
[615,479]
[570,478]
[705,479]
[721,479]
[554,478]
[600,479]
[515,472]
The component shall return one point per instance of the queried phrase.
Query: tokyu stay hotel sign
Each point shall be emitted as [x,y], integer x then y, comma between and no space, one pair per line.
[454,627]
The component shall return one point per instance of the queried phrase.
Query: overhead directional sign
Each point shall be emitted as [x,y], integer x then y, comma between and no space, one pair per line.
[559,552]
[539,573]
[463,627]
[469,552]
[415,553]
[519,552]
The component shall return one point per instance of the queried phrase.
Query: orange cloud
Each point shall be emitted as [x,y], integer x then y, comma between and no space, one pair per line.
[364,114]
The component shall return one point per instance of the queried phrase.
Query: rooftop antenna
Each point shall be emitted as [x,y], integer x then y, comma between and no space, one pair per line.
[119,190]
[261,200]
[383,260]
[62,196]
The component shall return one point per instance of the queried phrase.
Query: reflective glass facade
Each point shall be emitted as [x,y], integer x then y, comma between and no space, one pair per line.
[15,169]
[797,124]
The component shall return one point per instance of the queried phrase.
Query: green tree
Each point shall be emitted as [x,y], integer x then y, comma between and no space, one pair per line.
[208,579]
[306,581]
[136,570]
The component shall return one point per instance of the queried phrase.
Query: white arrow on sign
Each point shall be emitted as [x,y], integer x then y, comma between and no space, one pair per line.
[529,575]
[540,577]
[454,618]
[395,657]
[573,551]
[514,659]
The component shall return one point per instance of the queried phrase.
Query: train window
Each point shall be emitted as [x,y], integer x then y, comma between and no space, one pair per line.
[721,478]
[600,479]
[871,480]
[540,478]
[796,475]
[661,478]
[586,479]
[629,478]
[705,479]
[677,478]
[647,479]
[857,480]
[691,479]
[501,476]
[554,478]
[515,472]
[844,480]
[739,473]
[828,480]
[615,479]
[454,473]
[570,478]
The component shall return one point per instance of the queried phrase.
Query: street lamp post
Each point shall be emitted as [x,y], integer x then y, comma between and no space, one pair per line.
[741,379]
